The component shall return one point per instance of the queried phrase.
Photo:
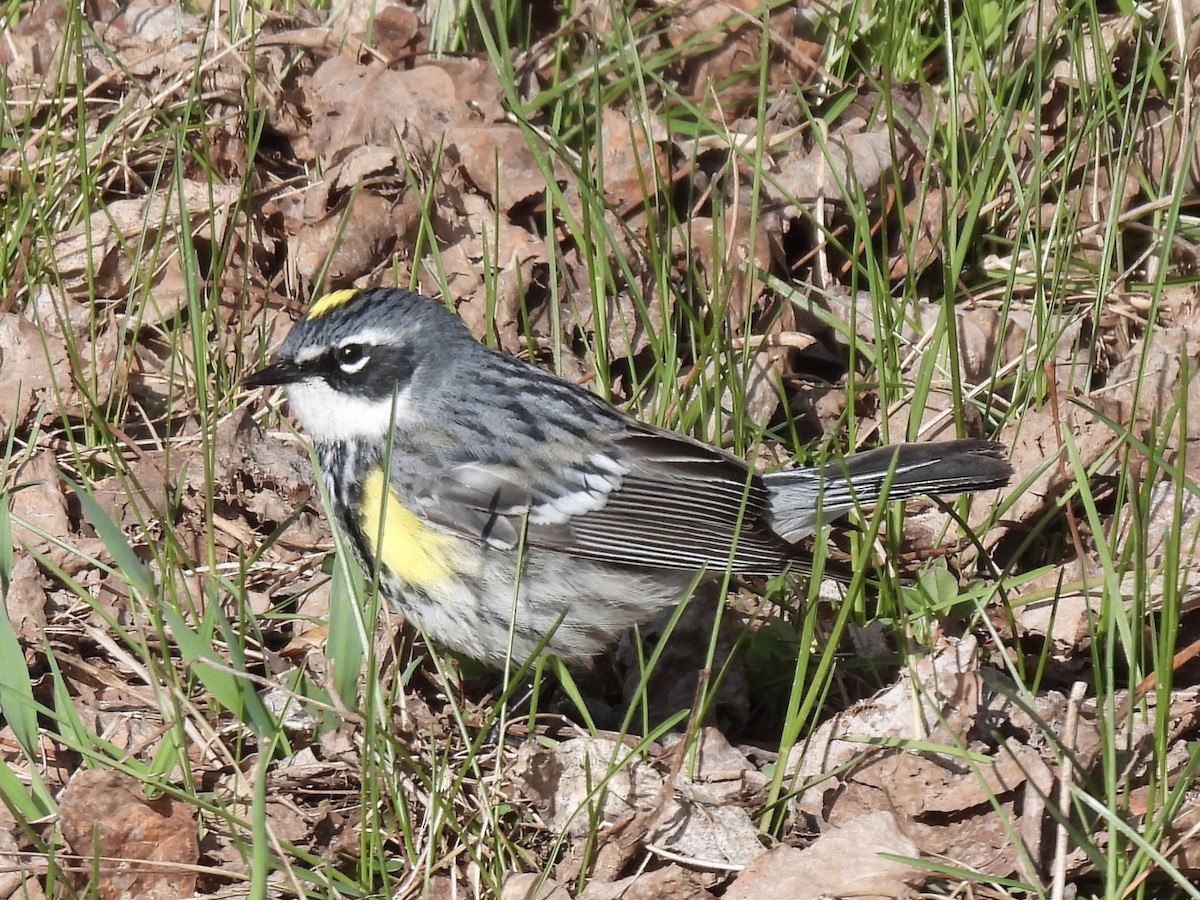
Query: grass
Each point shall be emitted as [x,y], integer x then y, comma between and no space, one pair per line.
[427,801]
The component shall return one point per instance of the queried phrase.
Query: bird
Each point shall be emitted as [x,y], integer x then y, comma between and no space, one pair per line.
[506,511]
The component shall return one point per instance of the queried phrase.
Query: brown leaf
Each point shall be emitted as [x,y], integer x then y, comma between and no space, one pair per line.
[345,243]
[843,862]
[633,158]
[917,785]
[723,38]
[1034,439]
[528,886]
[942,706]
[666,883]
[715,833]
[562,781]
[39,502]
[31,48]
[105,817]
[476,86]
[25,601]
[103,257]
[16,877]
[718,770]
[396,31]
[390,27]
[838,169]
[497,161]
[1179,842]
[354,105]
[30,367]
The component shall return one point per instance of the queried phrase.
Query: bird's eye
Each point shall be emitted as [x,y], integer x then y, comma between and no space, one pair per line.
[351,357]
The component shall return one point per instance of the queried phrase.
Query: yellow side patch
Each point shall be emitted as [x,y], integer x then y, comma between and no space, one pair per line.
[414,552]
[329,302]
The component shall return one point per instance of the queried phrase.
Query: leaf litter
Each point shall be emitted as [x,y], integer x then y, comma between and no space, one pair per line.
[371,150]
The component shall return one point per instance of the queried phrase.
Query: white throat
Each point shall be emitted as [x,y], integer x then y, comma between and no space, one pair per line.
[328,416]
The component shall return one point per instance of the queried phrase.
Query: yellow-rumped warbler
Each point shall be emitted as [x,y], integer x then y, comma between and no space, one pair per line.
[497,500]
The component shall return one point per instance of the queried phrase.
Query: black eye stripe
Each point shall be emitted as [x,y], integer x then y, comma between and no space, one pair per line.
[364,369]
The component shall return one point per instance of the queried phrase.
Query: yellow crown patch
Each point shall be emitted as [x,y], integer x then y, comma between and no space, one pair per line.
[330,302]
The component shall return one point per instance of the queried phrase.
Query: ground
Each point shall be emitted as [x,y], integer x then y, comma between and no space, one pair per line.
[791,231]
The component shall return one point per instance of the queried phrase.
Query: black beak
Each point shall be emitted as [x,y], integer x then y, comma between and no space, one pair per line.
[282,371]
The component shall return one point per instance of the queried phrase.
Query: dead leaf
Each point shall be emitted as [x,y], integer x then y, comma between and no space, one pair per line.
[15,865]
[723,39]
[355,105]
[666,883]
[103,257]
[30,367]
[568,784]
[1037,454]
[717,772]
[714,835]
[1179,843]
[25,601]
[527,886]
[344,243]
[105,817]
[497,162]
[39,504]
[632,158]
[843,862]
[838,170]
[33,46]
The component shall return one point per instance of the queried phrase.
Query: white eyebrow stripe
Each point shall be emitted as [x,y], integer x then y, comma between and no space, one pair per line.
[308,354]
[368,337]
[371,336]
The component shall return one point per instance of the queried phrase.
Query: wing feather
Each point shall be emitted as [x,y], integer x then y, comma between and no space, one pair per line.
[650,498]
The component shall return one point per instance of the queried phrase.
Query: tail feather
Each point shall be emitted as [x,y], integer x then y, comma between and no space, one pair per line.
[804,499]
